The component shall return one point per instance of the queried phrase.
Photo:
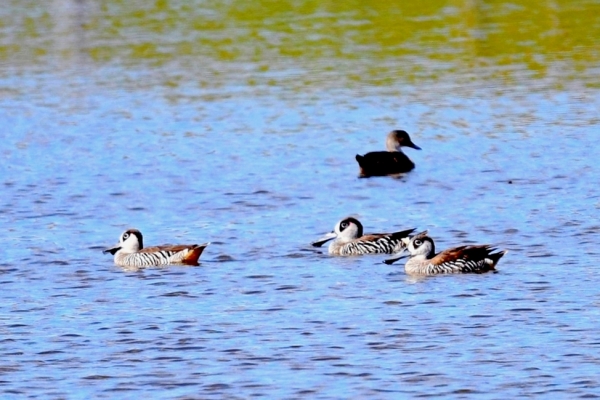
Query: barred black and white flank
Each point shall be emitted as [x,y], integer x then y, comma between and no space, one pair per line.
[130,252]
[458,260]
[350,241]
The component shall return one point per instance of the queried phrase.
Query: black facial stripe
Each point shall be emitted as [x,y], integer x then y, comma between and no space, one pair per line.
[138,235]
[139,238]
[354,221]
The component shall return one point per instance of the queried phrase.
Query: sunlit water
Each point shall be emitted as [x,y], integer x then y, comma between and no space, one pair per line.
[255,153]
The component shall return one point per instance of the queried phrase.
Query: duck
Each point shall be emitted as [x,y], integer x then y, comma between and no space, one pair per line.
[130,252]
[348,240]
[390,162]
[423,259]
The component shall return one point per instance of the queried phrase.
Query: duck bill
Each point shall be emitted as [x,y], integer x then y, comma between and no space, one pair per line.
[411,145]
[112,250]
[320,242]
[400,256]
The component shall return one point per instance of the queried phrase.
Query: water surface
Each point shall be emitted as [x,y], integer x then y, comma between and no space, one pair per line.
[238,124]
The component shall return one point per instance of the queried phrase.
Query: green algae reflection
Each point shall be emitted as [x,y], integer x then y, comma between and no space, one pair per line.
[320,41]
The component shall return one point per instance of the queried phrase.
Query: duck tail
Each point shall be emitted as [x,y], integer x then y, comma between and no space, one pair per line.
[495,257]
[361,165]
[191,258]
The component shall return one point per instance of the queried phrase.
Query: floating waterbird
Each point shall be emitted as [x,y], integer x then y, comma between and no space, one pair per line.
[459,260]
[390,162]
[130,252]
[349,240]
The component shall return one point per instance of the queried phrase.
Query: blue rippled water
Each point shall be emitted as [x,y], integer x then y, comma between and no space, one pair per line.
[265,314]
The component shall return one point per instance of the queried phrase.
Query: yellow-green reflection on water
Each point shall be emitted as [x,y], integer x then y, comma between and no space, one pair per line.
[326,43]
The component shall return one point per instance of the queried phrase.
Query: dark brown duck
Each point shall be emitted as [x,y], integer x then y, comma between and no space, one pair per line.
[390,162]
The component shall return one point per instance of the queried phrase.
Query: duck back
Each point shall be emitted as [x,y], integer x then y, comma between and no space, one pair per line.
[381,163]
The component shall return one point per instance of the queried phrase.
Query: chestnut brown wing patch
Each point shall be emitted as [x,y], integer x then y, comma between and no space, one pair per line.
[172,248]
[371,237]
[467,253]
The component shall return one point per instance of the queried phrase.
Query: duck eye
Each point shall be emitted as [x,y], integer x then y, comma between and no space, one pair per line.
[418,242]
[344,225]
[125,236]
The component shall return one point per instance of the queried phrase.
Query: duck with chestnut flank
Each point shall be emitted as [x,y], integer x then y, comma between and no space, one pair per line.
[458,260]
[130,252]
